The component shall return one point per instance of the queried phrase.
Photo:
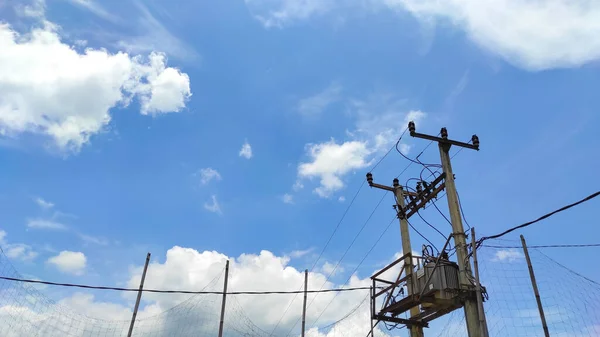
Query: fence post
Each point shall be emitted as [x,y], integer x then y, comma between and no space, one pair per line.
[304,306]
[482,320]
[535,288]
[224,298]
[139,296]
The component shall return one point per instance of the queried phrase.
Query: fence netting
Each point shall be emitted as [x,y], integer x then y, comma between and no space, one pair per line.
[571,303]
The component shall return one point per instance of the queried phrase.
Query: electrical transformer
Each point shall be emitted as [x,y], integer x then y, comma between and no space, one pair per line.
[443,284]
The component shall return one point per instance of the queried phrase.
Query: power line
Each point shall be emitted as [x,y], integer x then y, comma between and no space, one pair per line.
[181,291]
[358,266]
[343,256]
[423,236]
[338,226]
[590,197]
[430,225]
[388,152]
[286,310]
[547,246]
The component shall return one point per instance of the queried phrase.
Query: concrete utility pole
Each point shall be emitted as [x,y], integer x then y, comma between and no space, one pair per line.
[139,296]
[415,331]
[224,298]
[304,305]
[460,242]
[535,288]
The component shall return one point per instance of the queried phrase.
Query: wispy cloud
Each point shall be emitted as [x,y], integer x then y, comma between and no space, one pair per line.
[44,204]
[94,239]
[288,198]
[213,206]
[96,9]
[208,174]
[45,224]
[281,13]
[246,151]
[300,253]
[313,106]
[155,36]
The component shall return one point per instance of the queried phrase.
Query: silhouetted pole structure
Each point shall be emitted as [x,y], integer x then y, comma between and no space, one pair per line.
[458,231]
[396,188]
[224,298]
[535,288]
[139,296]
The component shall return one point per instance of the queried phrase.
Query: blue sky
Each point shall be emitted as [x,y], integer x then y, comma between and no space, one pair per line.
[319,91]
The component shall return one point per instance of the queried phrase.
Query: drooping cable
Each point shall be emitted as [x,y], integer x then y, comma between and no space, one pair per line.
[589,197]
[423,236]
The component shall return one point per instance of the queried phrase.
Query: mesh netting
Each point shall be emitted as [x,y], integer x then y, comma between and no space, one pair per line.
[571,301]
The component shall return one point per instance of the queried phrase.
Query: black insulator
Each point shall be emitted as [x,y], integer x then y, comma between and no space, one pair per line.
[411,127]
[370,178]
[444,255]
[396,182]
[444,133]
[419,187]
[475,141]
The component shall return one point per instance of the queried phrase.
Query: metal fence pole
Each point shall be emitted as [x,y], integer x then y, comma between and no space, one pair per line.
[139,296]
[535,288]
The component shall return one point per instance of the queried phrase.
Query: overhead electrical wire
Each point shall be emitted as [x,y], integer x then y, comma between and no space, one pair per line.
[388,152]
[359,264]
[343,255]
[564,208]
[423,236]
[200,292]
[547,246]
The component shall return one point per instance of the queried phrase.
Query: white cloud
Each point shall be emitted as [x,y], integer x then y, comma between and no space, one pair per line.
[379,119]
[167,89]
[288,198]
[279,13]
[331,269]
[45,224]
[509,255]
[186,268]
[535,35]
[43,203]
[52,90]
[342,198]
[313,106]
[69,262]
[208,174]
[214,206]
[330,161]
[18,251]
[246,151]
